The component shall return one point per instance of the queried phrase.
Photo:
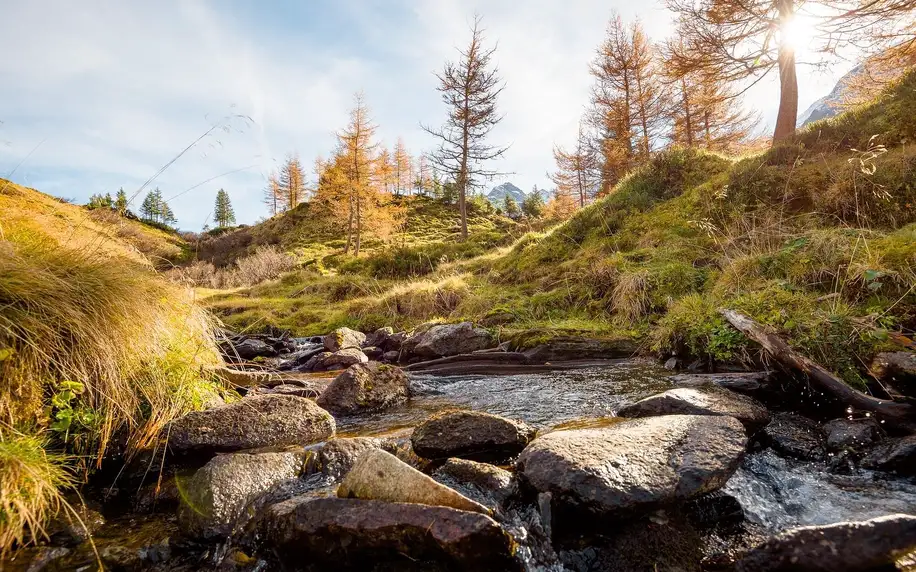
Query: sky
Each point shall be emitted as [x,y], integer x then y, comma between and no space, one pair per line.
[102,94]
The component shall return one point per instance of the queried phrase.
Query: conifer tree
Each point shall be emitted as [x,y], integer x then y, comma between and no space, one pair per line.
[121,201]
[533,205]
[510,207]
[274,197]
[577,170]
[291,182]
[223,213]
[470,88]
[150,209]
[403,169]
[385,171]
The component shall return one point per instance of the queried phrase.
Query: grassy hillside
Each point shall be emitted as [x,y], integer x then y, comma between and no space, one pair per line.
[816,238]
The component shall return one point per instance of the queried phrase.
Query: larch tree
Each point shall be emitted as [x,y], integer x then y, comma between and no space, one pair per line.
[121,201]
[385,170]
[292,182]
[577,170]
[403,168]
[274,197]
[359,163]
[739,40]
[223,213]
[470,88]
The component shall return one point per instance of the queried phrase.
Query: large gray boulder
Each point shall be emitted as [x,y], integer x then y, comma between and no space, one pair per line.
[471,435]
[443,340]
[357,534]
[251,423]
[218,499]
[343,338]
[341,359]
[843,547]
[708,401]
[634,465]
[365,387]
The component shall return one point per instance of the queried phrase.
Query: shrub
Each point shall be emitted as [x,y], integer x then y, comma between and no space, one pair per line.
[266,263]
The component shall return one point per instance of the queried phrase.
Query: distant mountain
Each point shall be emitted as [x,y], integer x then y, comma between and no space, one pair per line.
[497,195]
[829,105]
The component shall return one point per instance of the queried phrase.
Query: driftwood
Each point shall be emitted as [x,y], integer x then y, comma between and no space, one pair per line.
[898,415]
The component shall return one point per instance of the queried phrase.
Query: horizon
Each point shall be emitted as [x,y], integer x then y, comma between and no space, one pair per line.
[103,102]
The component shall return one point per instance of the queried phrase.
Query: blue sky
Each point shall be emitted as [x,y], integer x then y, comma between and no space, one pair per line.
[101,94]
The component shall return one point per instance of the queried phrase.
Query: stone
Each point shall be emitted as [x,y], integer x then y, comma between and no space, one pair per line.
[841,547]
[336,457]
[341,359]
[343,338]
[893,455]
[795,436]
[709,401]
[373,353]
[217,500]
[366,387]
[897,369]
[251,348]
[471,435]
[250,423]
[566,348]
[379,337]
[379,475]
[487,484]
[640,464]
[391,357]
[354,534]
[846,434]
[443,340]
[309,391]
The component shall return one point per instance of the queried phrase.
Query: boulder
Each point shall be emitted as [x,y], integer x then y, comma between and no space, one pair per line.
[365,387]
[379,475]
[893,455]
[842,547]
[356,534]
[391,357]
[379,337]
[217,500]
[373,353]
[341,359]
[486,484]
[471,435]
[447,340]
[253,422]
[897,369]
[845,434]
[795,436]
[634,465]
[708,401]
[541,347]
[251,348]
[336,457]
[343,338]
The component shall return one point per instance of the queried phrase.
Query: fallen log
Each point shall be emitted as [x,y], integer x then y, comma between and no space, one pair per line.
[899,415]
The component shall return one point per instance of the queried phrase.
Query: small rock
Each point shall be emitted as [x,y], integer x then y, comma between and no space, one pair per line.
[378,337]
[252,348]
[366,534]
[843,434]
[343,338]
[373,353]
[378,475]
[341,359]
[672,363]
[893,455]
[448,340]
[795,436]
[841,547]
[486,484]
[216,499]
[66,529]
[897,369]
[251,423]
[310,391]
[365,387]
[636,464]
[471,435]
[336,457]
[394,342]
[391,357]
[709,401]
[117,557]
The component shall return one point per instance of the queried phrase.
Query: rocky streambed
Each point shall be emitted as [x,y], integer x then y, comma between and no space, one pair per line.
[594,464]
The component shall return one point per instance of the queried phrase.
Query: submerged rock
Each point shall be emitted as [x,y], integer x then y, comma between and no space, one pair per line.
[486,484]
[842,547]
[708,401]
[251,423]
[893,455]
[379,475]
[366,534]
[216,500]
[471,435]
[636,464]
[795,436]
[845,434]
[447,340]
[365,387]
[343,338]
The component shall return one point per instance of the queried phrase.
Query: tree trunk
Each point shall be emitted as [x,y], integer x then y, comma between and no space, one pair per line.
[898,415]
[349,226]
[788,81]
[688,123]
[359,228]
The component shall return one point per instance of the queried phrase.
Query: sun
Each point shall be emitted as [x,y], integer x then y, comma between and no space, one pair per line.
[798,33]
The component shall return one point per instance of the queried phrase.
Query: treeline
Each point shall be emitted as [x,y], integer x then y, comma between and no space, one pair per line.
[155,209]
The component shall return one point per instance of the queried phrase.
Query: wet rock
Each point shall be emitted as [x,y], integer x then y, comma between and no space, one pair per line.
[67,529]
[391,357]
[365,387]
[709,401]
[251,423]
[379,337]
[394,342]
[251,348]
[741,382]
[39,557]
[366,535]
[343,338]
[842,547]
[341,359]
[897,369]
[308,391]
[298,358]
[893,455]
[447,340]
[636,464]
[471,435]
[486,484]
[117,557]
[216,499]
[373,353]
[336,457]
[378,475]
[846,434]
[563,348]
[795,436]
